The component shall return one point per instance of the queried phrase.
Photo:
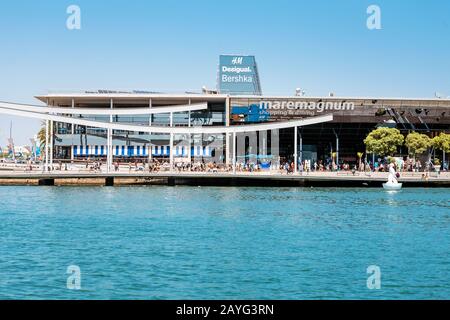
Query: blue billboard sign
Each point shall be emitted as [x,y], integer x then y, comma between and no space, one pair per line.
[249,114]
[238,75]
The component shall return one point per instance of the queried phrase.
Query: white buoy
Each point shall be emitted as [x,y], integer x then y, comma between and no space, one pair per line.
[392,186]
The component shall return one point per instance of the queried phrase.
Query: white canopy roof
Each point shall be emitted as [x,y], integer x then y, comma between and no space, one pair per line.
[7,108]
[105,111]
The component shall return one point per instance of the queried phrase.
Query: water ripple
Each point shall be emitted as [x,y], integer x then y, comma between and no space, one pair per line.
[223,243]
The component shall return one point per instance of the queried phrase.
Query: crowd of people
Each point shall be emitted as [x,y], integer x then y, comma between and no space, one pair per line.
[408,165]
[283,166]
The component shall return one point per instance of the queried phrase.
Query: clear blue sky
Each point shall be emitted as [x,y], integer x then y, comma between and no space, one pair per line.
[320,46]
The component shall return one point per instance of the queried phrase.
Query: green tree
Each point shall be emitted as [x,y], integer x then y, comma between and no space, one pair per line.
[417,143]
[441,142]
[384,141]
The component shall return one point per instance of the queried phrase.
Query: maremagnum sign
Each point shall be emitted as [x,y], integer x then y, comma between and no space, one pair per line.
[279,110]
[307,105]
[238,75]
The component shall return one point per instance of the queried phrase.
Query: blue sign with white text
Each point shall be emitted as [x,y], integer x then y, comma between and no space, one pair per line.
[238,75]
[251,114]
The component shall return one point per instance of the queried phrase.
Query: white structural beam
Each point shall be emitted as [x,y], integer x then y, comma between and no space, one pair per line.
[175,130]
[171,143]
[72,130]
[171,152]
[337,152]
[46,146]
[443,159]
[301,150]
[109,154]
[189,151]
[51,143]
[111,107]
[150,105]
[104,111]
[295,148]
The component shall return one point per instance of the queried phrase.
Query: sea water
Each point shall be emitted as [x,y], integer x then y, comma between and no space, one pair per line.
[223,243]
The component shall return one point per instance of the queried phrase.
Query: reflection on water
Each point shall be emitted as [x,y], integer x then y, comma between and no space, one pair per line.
[223,243]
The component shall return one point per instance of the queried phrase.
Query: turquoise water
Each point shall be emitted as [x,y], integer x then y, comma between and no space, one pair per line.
[223,243]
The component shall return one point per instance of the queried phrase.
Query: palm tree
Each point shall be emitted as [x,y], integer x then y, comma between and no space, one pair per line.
[41,135]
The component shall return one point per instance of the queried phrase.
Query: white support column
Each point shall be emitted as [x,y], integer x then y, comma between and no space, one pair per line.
[443,159]
[46,146]
[171,151]
[189,115]
[111,148]
[295,149]
[109,156]
[337,153]
[51,143]
[189,151]
[72,157]
[111,106]
[171,143]
[234,152]
[108,151]
[301,150]
[150,149]
[150,105]
[227,136]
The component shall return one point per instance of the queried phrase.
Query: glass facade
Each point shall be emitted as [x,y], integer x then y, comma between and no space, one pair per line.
[353,120]
[76,141]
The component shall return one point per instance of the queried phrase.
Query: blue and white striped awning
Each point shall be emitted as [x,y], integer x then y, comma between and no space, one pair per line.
[128,151]
[199,151]
[160,151]
[90,151]
[131,151]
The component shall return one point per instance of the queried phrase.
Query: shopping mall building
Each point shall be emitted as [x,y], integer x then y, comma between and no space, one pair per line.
[140,125]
